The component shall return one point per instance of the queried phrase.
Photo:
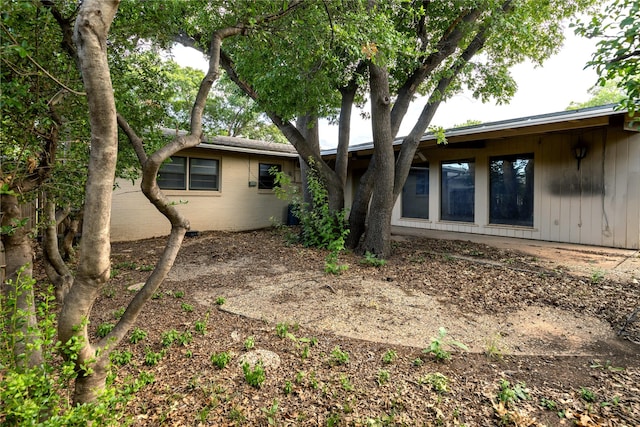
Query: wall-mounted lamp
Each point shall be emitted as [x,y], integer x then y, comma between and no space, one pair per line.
[580,152]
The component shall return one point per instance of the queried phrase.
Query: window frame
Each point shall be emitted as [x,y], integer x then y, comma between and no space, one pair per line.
[270,179]
[187,168]
[467,192]
[524,196]
[419,192]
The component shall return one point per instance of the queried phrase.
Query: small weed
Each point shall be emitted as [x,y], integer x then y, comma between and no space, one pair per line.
[438,382]
[221,359]
[509,394]
[178,294]
[549,404]
[200,326]
[418,362]
[104,329]
[282,330]
[185,338]
[597,277]
[169,337]
[389,356]
[146,268]
[117,314]
[587,395]
[109,292]
[607,365]
[271,413]
[137,335]
[304,355]
[157,295]
[495,349]
[120,358]
[220,301]
[436,348]
[346,384]
[236,415]
[126,265]
[339,357]
[287,389]
[372,260]
[249,343]
[256,376]
[383,376]
[152,358]
[188,308]
[299,377]
[333,419]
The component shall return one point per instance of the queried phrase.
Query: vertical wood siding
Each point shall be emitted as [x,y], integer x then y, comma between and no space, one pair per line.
[598,204]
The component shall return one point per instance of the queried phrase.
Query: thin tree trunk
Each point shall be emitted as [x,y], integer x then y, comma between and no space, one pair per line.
[90,36]
[55,267]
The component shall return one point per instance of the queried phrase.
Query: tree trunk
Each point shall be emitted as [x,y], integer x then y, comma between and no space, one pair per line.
[378,235]
[360,209]
[19,284]
[90,36]
[55,267]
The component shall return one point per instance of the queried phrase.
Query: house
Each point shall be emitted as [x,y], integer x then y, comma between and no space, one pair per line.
[222,184]
[571,176]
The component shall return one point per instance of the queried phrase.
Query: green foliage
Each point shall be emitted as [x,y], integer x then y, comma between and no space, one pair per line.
[383,376]
[249,343]
[41,395]
[510,394]
[137,335]
[221,359]
[169,337]
[320,226]
[437,346]
[271,413]
[339,357]
[188,308]
[389,356]
[152,358]
[439,382]
[178,294]
[587,395]
[617,55]
[372,260]
[220,300]
[609,93]
[104,329]
[254,376]
[120,357]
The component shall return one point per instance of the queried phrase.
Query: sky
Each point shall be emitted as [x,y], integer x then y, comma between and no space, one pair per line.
[547,89]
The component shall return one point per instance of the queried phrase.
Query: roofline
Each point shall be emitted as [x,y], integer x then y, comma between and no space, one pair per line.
[520,122]
[228,143]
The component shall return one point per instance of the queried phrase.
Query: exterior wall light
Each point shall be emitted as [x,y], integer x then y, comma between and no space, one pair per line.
[580,152]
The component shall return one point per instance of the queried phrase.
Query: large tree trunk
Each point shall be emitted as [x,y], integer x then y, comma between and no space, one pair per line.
[18,284]
[90,36]
[360,208]
[378,235]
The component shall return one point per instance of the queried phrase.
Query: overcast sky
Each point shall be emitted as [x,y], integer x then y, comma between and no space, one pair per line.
[546,89]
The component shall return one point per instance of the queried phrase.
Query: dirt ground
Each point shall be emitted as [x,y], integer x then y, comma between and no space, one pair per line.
[559,334]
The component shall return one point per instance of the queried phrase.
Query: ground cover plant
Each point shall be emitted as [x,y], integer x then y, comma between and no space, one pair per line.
[318,377]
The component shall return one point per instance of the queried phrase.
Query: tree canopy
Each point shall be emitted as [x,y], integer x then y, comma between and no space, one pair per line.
[617,55]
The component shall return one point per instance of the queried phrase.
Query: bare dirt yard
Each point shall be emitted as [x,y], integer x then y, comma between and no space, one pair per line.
[546,344]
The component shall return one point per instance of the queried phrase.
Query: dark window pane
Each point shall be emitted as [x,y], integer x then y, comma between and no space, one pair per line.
[415,193]
[266,179]
[457,195]
[203,174]
[172,174]
[511,194]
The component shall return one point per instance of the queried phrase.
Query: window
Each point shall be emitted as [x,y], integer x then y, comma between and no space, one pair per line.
[511,191]
[202,173]
[266,179]
[173,174]
[458,191]
[415,193]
